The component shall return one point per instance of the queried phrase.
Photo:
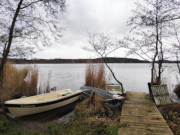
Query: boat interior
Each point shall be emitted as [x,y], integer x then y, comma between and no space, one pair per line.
[43,97]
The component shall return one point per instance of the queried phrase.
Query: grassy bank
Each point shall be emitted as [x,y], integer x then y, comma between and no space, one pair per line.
[92,116]
[76,126]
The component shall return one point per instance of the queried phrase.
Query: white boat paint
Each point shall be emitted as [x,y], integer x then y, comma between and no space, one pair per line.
[40,103]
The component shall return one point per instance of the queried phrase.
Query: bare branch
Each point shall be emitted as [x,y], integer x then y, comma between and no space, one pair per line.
[22,21]
[31,3]
[103,46]
[150,22]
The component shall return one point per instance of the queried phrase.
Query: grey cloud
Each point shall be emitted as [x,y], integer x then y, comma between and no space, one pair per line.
[94,16]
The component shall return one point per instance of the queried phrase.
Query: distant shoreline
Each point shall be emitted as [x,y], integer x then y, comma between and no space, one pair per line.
[82,61]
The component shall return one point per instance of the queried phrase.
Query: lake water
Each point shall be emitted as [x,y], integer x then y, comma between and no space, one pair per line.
[72,76]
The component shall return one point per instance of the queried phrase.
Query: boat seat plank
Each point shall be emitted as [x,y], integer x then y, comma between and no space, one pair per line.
[39,98]
[161,94]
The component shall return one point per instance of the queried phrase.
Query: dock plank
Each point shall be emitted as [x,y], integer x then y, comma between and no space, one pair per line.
[140,116]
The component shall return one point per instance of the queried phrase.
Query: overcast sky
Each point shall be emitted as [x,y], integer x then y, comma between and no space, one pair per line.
[94,16]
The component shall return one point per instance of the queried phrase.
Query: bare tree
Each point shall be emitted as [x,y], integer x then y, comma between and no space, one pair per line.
[150,24]
[103,45]
[175,39]
[27,25]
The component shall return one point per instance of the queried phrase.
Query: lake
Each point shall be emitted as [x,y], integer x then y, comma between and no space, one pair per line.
[72,76]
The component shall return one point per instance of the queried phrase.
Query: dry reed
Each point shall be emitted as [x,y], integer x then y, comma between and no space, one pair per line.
[18,82]
[96,76]
[44,86]
[31,84]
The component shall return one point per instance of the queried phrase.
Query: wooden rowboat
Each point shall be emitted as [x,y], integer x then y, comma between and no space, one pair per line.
[40,103]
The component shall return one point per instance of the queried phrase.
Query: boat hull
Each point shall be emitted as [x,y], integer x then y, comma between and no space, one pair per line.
[29,109]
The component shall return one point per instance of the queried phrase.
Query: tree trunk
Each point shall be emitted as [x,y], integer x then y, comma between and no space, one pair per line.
[153,69]
[177,62]
[103,58]
[153,65]
[178,66]
[6,50]
[158,81]
[160,66]
[156,53]
[115,77]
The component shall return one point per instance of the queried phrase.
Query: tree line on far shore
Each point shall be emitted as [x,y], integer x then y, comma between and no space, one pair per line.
[95,60]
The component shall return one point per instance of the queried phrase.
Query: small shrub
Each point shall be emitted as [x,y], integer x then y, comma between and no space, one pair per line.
[177,90]
[98,115]
[91,106]
[94,106]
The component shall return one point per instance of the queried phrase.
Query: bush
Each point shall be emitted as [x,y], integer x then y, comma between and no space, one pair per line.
[96,76]
[177,90]
[18,82]
[91,106]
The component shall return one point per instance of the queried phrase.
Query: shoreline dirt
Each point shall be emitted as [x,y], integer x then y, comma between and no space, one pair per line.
[41,121]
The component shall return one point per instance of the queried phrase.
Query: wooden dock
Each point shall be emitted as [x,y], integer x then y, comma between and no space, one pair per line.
[140,116]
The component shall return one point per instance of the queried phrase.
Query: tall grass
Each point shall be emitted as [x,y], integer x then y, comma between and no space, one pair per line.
[18,82]
[96,76]
[44,86]
[31,82]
